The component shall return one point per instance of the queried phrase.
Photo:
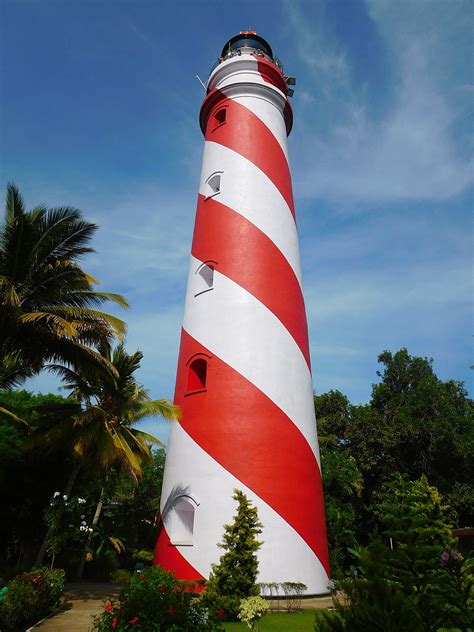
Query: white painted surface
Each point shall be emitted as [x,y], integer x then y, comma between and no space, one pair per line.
[250,192]
[285,556]
[241,331]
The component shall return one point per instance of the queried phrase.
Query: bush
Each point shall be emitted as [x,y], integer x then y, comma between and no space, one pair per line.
[251,611]
[156,600]
[30,597]
[121,576]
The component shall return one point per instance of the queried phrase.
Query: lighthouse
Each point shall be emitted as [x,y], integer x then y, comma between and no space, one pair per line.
[244,375]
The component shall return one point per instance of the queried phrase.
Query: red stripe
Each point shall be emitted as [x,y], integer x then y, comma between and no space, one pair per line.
[247,256]
[169,557]
[246,134]
[271,74]
[244,431]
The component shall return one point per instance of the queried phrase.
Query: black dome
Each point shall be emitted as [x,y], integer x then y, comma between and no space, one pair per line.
[247,39]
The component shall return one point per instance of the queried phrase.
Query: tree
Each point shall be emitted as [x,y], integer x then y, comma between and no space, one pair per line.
[413,515]
[26,480]
[342,479]
[48,305]
[333,414]
[414,424]
[342,483]
[411,577]
[235,576]
[131,514]
[99,429]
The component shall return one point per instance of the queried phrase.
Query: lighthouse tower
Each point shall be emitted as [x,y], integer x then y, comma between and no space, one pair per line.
[244,377]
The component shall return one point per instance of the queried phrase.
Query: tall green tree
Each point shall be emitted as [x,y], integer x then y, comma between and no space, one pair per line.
[99,429]
[48,304]
[235,576]
[342,479]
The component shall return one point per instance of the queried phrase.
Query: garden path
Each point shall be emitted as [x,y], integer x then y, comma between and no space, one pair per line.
[80,603]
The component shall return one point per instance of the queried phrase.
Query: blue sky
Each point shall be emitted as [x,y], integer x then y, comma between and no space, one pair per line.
[100,111]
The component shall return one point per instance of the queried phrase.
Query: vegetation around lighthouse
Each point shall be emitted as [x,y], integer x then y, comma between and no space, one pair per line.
[80,483]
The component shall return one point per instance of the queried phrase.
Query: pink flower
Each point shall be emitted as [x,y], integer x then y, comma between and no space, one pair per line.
[444,558]
[108,607]
[454,554]
[133,621]
[114,623]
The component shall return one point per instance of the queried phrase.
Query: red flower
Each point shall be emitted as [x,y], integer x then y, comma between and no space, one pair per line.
[161,589]
[114,623]
[133,621]
[221,613]
[143,577]
[108,607]
[171,611]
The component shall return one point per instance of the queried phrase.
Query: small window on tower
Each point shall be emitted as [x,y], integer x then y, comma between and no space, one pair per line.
[204,278]
[219,118]
[182,523]
[197,375]
[213,185]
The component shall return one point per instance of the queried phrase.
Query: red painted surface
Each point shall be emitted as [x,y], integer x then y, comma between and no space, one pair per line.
[255,441]
[247,135]
[271,74]
[168,556]
[247,256]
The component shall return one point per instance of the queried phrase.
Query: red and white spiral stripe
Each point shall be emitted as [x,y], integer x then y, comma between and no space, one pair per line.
[253,427]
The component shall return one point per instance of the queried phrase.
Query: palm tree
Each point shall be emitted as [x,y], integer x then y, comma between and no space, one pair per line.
[99,428]
[47,302]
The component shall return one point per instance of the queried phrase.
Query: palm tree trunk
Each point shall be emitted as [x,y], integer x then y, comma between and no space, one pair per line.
[95,520]
[67,492]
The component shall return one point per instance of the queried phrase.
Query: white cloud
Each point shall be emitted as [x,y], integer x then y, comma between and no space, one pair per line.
[412,151]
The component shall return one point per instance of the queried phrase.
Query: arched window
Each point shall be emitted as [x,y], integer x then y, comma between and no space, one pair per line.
[182,522]
[213,184]
[204,278]
[219,118]
[197,375]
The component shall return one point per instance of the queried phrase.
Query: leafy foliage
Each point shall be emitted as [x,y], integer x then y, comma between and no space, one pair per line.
[251,610]
[48,305]
[410,582]
[155,600]
[415,424]
[30,597]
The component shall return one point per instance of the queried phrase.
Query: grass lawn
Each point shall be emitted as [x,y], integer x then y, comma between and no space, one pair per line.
[300,622]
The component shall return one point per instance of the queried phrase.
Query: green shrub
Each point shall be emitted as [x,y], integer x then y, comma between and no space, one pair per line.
[30,597]
[121,576]
[144,555]
[251,611]
[235,576]
[156,600]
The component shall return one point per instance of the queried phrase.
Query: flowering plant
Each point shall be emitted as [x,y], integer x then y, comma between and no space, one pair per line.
[251,611]
[67,522]
[30,597]
[155,600]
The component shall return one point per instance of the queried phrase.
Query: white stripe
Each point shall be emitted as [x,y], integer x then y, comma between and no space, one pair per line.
[245,334]
[284,556]
[251,193]
[270,116]
[241,71]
